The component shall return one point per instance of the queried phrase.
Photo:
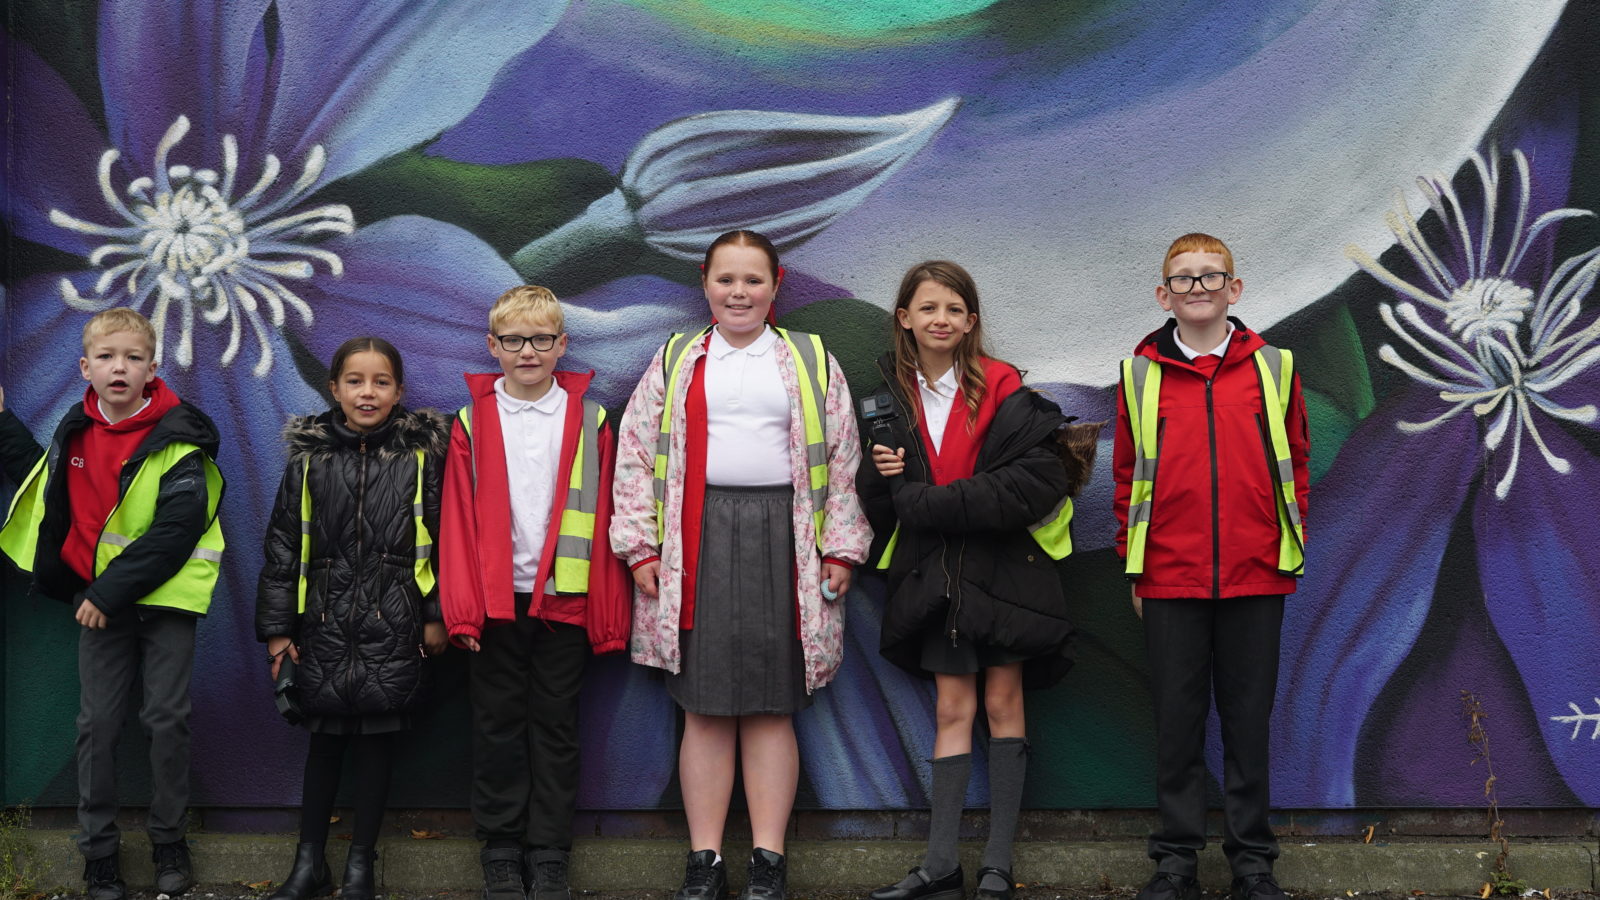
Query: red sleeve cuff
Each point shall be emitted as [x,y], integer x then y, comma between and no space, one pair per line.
[464,630]
[646,560]
[602,649]
[838,562]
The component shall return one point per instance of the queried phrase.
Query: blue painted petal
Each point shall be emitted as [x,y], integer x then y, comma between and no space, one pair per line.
[1363,601]
[1537,564]
[378,82]
[42,345]
[52,163]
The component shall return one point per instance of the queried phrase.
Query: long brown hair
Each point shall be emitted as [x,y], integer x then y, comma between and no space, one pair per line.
[969,353]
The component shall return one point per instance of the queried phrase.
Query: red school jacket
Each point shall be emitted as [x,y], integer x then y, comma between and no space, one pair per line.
[475,587]
[1213,519]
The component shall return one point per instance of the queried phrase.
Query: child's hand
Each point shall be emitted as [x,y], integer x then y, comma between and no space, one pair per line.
[1138,604]
[435,639]
[471,643]
[276,648]
[647,578]
[90,616]
[837,577]
[889,462]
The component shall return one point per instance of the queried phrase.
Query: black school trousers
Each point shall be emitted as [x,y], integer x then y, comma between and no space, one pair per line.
[524,685]
[1197,646]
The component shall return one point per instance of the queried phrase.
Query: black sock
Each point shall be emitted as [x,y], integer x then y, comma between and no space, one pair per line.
[950,776]
[1008,766]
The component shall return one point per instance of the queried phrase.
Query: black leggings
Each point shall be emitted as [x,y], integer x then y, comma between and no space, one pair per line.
[373,764]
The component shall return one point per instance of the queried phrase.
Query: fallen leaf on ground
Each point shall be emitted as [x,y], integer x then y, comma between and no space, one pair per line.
[421,834]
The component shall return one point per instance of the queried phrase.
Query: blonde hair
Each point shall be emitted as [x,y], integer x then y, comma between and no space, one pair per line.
[1196,242]
[115,320]
[526,301]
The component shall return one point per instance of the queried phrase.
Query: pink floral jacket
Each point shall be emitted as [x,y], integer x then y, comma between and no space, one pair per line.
[845,534]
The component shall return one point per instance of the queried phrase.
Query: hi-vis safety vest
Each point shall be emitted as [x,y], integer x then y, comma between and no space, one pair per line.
[1141,386]
[811,366]
[190,589]
[575,537]
[422,568]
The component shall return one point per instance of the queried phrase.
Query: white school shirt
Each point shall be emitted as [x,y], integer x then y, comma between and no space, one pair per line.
[532,433]
[937,401]
[1193,354]
[747,414]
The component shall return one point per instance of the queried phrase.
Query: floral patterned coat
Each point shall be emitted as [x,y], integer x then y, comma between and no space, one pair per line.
[845,534]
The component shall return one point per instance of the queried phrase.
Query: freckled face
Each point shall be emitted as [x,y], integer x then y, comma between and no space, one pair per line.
[366,390]
[739,286]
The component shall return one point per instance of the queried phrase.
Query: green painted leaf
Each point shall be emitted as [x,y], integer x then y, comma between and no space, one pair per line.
[1329,425]
[854,331]
[1330,357]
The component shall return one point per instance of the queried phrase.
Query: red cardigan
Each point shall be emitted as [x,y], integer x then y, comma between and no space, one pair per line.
[957,453]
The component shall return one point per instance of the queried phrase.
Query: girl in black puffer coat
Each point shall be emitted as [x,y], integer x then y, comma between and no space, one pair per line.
[367,612]
[967,488]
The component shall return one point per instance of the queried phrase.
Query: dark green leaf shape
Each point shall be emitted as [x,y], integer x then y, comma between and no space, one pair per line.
[1330,357]
[62,32]
[507,205]
[854,331]
[1329,425]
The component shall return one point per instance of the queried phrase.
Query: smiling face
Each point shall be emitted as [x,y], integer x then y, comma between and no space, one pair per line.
[528,370]
[937,318]
[1199,308]
[118,365]
[740,284]
[366,389]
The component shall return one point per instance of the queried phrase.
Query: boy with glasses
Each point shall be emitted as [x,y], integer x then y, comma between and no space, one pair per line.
[529,585]
[1211,489]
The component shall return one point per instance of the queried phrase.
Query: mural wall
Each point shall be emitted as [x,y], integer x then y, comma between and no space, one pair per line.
[1408,188]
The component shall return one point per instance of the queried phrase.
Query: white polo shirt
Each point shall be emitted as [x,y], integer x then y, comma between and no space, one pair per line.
[532,433]
[747,414]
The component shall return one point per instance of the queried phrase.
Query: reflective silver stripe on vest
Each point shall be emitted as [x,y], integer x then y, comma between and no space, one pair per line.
[115,540]
[1273,357]
[589,490]
[1050,516]
[208,555]
[671,353]
[816,454]
[416,509]
[424,551]
[122,540]
[817,368]
[1144,461]
[573,547]
[1139,514]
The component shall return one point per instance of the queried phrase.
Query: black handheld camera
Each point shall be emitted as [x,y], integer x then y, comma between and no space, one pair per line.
[878,413]
[286,692]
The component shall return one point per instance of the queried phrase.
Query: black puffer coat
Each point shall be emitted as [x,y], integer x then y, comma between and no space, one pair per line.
[964,559]
[361,633]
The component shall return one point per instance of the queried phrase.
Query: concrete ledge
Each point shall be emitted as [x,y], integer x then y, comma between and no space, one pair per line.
[604,864]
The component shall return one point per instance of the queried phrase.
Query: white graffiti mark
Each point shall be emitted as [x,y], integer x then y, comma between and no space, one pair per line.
[1579,718]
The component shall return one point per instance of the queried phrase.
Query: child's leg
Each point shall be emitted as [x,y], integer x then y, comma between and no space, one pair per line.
[374,768]
[771,759]
[324,759]
[1178,641]
[955,707]
[555,676]
[107,660]
[167,645]
[1008,765]
[1246,670]
[498,686]
[705,773]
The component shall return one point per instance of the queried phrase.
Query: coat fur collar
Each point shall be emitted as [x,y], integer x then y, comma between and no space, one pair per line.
[406,432]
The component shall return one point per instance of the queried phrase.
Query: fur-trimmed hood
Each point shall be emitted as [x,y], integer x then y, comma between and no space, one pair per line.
[405,432]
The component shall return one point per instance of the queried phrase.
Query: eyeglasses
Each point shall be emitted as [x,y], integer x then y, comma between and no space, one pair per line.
[512,343]
[1210,281]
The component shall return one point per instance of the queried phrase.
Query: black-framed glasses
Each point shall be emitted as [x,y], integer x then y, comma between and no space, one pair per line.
[512,343]
[1210,281]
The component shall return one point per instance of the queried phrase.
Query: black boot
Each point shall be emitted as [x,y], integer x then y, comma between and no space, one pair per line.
[359,880]
[309,877]
[174,869]
[102,878]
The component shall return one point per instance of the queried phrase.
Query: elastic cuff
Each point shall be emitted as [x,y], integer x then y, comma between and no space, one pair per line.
[647,560]
[608,647]
[464,630]
[838,562]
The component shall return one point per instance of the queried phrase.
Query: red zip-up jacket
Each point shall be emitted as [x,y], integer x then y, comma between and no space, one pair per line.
[474,544]
[1213,518]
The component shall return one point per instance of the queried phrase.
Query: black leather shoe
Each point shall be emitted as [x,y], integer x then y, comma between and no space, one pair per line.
[359,877]
[102,879]
[309,877]
[1006,893]
[769,876]
[1256,886]
[174,869]
[1170,886]
[705,878]
[502,873]
[547,869]
[919,884]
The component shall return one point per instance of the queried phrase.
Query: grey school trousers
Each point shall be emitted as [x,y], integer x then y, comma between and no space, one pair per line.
[158,647]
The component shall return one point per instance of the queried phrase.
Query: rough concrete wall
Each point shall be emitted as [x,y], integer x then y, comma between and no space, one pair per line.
[394,167]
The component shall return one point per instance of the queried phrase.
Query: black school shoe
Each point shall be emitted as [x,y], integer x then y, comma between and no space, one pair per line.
[704,878]
[1005,893]
[1256,886]
[769,876]
[502,873]
[547,868]
[102,879]
[174,869]
[1170,886]
[920,884]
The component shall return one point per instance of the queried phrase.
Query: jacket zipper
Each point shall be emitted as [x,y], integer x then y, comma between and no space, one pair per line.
[1216,517]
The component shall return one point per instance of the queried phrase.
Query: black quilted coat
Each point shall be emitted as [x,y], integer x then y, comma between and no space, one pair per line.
[964,560]
[361,633]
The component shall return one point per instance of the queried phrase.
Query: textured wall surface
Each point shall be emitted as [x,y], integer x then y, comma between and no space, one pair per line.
[1407,186]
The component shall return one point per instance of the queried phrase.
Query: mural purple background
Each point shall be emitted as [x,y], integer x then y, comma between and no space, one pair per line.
[1407,187]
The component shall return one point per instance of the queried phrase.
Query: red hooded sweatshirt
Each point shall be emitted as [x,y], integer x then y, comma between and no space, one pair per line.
[95,457]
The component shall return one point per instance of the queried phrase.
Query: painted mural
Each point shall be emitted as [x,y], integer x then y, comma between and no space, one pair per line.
[1409,189]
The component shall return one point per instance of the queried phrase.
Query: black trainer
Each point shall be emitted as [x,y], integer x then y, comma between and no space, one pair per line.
[769,876]
[1170,886]
[174,869]
[1256,886]
[103,879]
[704,878]
[502,873]
[547,869]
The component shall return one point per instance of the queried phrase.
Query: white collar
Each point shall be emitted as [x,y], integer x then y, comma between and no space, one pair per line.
[946,386]
[101,404]
[546,404]
[1194,354]
[720,348]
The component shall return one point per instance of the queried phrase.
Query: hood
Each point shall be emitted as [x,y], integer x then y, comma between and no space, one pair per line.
[481,384]
[1161,345]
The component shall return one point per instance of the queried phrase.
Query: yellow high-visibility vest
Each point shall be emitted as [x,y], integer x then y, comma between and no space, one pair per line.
[422,565]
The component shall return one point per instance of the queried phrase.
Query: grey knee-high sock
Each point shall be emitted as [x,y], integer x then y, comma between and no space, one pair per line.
[1008,765]
[950,776]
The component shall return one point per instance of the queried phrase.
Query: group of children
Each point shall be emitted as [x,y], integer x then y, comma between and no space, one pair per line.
[714,537]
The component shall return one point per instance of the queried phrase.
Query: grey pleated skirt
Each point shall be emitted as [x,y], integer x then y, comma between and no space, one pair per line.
[743,655]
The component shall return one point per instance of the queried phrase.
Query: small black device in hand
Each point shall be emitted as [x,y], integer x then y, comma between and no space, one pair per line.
[878,413]
[286,693]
